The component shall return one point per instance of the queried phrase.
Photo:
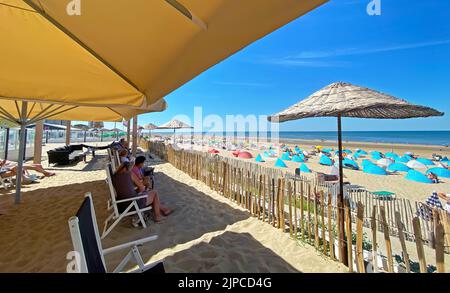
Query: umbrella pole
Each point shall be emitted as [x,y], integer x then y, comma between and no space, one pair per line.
[174,136]
[20,157]
[340,199]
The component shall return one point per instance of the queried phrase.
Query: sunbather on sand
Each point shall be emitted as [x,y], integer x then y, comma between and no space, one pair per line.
[124,182]
[12,167]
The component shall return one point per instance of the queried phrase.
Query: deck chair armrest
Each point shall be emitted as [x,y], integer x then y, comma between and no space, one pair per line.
[132,198]
[129,244]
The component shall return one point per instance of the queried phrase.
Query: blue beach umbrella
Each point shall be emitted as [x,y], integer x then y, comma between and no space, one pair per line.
[399,167]
[362,152]
[374,169]
[285,157]
[426,162]
[327,150]
[414,175]
[259,159]
[298,159]
[445,160]
[392,155]
[305,168]
[441,172]
[298,150]
[280,163]
[324,160]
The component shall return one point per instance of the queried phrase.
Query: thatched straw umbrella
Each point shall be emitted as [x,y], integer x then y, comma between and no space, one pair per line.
[175,124]
[150,127]
[346,100]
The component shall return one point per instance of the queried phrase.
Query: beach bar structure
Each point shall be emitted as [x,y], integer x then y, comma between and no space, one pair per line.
[346,100]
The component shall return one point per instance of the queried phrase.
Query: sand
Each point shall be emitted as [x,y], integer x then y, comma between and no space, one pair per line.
[206,233]
[396,183]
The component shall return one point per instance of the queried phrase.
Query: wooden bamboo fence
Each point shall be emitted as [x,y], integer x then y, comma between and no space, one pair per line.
[307,210]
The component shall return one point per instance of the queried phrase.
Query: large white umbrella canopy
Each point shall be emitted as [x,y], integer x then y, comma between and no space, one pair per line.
[414,164]
[342,99]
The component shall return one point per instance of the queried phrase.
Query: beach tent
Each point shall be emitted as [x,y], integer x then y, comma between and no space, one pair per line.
[414,164]
[398,167]
[376,156]
[259,159]
[298,159]
[414,175]
[346,100]
[285,157]
[245,155]
[324,160]
[441,172]
[280,163]
[384,162]
[404,159]
[348,163]
[175,124]
[304,168]
[366,162]
[426,162]
[374,169]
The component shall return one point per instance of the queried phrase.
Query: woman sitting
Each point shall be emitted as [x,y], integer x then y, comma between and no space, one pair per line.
[124,182]
[138,171]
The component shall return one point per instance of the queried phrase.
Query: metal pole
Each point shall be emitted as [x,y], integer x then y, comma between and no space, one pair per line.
[23,117]
[134,136]
[340,199]
[7,143]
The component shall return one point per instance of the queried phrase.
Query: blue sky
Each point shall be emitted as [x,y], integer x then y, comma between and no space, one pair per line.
[404,52]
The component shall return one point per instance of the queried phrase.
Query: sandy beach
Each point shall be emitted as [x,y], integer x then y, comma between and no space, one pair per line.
[396,183]
[206,233]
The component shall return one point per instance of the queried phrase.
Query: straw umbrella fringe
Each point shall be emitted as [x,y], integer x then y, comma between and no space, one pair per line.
[346,100]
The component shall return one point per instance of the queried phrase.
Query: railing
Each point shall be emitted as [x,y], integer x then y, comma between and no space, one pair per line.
[307,210]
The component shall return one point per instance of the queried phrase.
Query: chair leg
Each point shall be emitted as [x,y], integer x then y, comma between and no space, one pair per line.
[122,215]
[141,218]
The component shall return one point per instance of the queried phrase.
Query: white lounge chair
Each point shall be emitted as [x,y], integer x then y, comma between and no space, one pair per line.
[131,210]
[87,244]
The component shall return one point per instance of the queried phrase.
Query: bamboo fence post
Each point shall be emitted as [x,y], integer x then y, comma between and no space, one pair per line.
[281,220]
[278,196]
[359,238]
[260,190]
[322,221]
[340,240]
[387,239]
[264,198]
[272,200]
[291,230]
[348,226]
[295,209]
[374,239]
[419,245]
[302,226]
[316,222]
[439,242]
[309,213]
[401,236]
[330,228]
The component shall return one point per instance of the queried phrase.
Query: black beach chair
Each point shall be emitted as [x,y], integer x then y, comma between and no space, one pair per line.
[88,247]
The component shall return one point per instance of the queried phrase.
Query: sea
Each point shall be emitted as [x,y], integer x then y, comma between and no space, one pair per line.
[436,138]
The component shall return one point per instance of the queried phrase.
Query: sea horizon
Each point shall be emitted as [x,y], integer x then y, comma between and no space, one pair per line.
[418,137]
